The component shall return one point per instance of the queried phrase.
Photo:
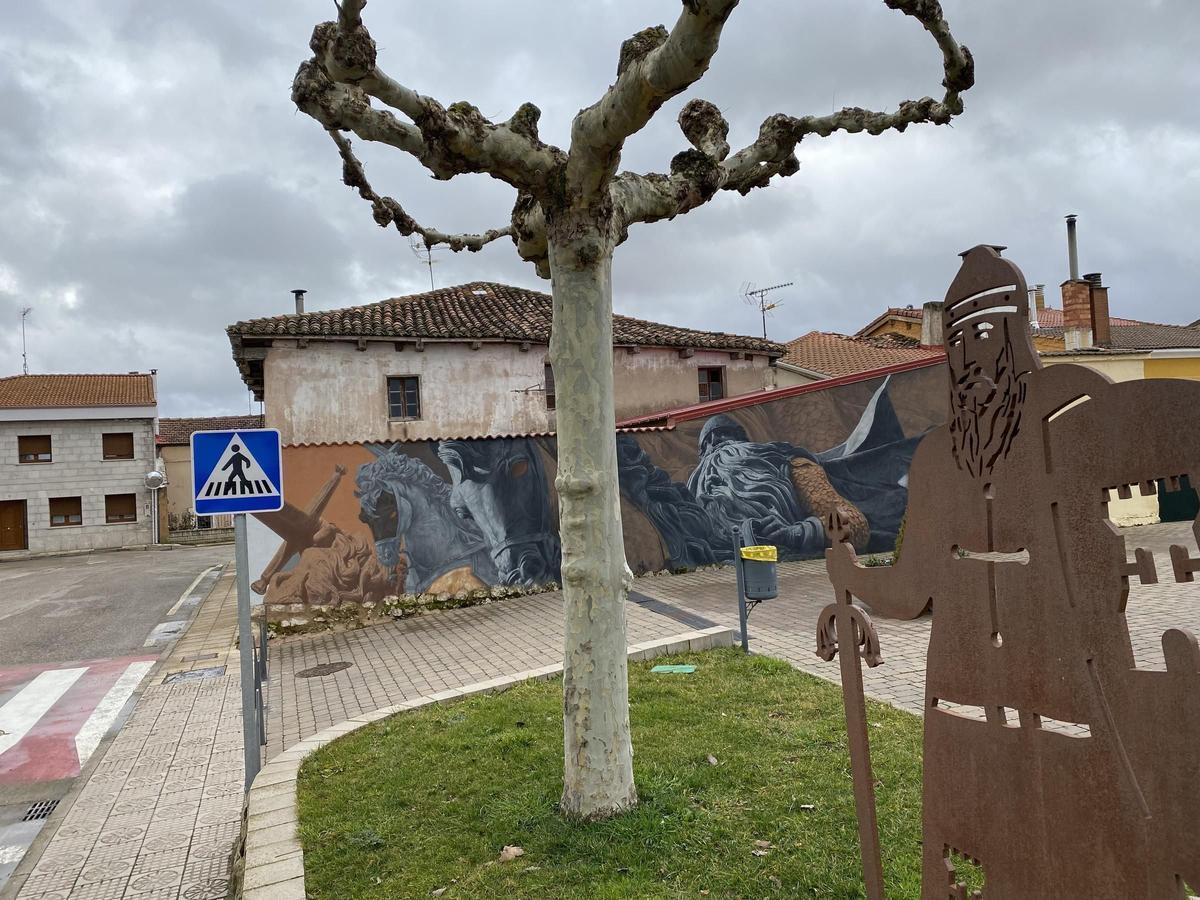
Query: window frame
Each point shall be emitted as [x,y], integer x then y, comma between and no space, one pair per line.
[404,410]
[705,386]
[108,515]
[115,434]
[49,452]
[50,501]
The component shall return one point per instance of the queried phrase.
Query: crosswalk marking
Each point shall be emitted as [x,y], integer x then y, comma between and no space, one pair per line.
[88,737]
[23,711]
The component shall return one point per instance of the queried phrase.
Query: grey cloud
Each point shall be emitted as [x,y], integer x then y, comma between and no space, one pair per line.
[156,183]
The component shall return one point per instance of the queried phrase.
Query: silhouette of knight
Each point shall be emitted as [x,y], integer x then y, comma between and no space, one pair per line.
[237,477]
[1007,537]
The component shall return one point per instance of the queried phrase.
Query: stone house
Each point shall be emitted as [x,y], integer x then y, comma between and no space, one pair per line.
[467,361]
[175,450]
[74,454]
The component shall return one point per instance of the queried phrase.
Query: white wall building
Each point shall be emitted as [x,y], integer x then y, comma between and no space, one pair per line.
[468,361]
[74,454]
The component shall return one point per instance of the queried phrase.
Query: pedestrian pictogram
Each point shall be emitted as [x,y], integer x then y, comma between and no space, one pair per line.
[236,471]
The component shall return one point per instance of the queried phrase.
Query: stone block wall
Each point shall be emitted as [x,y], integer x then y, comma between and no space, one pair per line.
[78,469]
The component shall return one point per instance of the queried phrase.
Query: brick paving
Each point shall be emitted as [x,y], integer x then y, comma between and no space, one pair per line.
[160,812]
[415,657]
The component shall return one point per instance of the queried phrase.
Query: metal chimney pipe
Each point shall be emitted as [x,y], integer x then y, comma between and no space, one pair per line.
[299,294]
[1072,247]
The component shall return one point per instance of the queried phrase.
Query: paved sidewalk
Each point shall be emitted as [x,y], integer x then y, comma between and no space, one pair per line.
[415,657]
[160,812]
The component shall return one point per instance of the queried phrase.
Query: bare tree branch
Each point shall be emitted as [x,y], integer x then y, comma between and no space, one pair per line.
[691,182]
[389,212]
[336,86]
[654,66]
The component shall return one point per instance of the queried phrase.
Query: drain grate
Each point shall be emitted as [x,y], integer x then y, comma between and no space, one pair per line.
[194,675]
[39,810]
[324,669]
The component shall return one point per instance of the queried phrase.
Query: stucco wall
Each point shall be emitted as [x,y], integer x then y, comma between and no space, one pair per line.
[658,378]
[1174,367]
[78,470]
[330,392]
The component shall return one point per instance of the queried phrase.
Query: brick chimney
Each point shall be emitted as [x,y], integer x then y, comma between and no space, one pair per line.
[1077,314]
[1101,325]
[931,324]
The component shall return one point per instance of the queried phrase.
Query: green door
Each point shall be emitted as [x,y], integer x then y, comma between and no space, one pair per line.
[1177,506]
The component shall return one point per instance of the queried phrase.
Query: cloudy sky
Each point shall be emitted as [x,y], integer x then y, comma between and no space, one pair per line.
[156,183]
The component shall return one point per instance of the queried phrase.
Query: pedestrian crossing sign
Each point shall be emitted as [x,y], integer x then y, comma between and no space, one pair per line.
[237,471]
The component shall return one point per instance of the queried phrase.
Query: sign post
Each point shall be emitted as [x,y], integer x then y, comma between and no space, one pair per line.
[241,472]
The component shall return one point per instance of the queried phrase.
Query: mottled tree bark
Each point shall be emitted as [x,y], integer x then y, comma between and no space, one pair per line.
[573,209]
[597,753]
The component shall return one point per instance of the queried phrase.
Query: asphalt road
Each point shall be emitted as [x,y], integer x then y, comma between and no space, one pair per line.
[101,605]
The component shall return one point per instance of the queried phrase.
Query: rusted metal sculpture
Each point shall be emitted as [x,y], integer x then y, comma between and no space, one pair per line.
[1050,758]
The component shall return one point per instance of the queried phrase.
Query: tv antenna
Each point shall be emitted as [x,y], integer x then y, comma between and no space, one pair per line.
[758,297]
[424,253]
[24,356]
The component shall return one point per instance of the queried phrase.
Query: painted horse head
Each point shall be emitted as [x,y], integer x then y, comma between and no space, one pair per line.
[501,485]
[401,498]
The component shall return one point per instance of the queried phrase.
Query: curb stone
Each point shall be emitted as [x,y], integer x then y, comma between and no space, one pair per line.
[268,861]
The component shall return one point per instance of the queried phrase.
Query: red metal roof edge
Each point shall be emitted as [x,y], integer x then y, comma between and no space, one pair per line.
[470,437]
[670,417]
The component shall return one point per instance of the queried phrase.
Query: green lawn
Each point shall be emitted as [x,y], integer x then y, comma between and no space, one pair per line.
[427,800]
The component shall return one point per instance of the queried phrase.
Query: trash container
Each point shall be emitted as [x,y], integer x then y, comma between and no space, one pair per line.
[758,572]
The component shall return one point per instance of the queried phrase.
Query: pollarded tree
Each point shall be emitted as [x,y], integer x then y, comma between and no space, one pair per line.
[573,208]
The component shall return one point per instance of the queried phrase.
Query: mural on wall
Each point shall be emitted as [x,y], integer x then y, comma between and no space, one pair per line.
[452,516]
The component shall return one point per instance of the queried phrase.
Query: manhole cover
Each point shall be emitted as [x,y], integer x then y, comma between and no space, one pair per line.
[39,810]
[323,669]
[195,675]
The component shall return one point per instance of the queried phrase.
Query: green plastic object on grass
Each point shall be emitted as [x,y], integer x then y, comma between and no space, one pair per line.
[673,670]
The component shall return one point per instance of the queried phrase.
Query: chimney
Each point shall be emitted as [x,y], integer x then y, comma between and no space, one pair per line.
[1077,299]
[931,324]
[1039,296]
[1101,324]
[299,294]
[1072,248]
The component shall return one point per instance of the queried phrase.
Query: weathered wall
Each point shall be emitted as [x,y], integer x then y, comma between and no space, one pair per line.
[331,392]
[658,378]
[456,516]
[177,464]
[79,470]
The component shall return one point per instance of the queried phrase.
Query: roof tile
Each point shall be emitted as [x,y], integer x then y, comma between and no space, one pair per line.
[481,310]
[839,354]
[54,391]
[179,431]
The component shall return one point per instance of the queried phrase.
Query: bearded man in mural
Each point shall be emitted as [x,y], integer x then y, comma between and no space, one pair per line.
[785,491]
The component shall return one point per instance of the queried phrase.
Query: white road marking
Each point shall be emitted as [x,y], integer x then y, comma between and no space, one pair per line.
[191,587]
[33,701]
[88,738]
[11,854]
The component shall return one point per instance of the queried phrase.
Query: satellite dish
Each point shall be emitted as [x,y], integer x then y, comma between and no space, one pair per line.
[155,480]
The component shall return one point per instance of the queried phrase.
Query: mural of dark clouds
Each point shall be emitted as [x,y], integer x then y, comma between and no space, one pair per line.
[156,183]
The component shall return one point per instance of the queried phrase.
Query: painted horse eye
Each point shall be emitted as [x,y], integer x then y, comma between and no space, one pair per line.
[519,469]
[462,512]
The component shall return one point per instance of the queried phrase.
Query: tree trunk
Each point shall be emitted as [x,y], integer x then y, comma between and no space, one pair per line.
[598,755]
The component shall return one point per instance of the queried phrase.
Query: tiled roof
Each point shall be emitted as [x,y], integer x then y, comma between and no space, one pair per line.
[1127,334]
[480,310]
[839,354]
[179,431]
[55,391]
